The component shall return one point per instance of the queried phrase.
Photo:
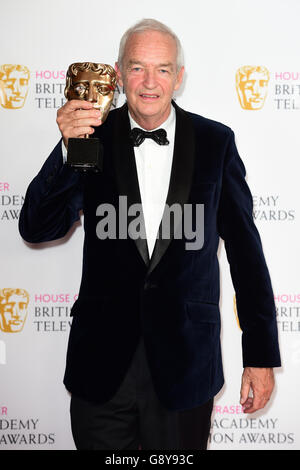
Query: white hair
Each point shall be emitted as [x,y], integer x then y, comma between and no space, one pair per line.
[150,25]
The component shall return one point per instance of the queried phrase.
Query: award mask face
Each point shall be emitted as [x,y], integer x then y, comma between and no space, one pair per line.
[92,82]
[14,81]
[13,309]
[252,86]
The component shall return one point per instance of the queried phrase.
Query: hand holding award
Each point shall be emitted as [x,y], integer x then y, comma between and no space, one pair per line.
[94,83]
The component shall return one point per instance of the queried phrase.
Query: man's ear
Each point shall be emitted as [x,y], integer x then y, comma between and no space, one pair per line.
[119,74]
[179,78]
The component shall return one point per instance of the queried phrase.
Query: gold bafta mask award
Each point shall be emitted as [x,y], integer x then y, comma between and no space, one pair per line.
[95,83]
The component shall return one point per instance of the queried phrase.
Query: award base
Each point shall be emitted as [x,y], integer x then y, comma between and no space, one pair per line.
[85,154]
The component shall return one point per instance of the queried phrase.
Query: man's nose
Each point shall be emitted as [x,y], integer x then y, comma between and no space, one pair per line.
[149,79]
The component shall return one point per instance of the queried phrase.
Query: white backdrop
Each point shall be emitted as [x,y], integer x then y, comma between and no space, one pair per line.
[218,37]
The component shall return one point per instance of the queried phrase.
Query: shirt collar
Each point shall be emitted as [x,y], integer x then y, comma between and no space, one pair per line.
[165,125]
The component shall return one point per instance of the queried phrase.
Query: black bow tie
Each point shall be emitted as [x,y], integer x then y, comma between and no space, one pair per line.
[139,135]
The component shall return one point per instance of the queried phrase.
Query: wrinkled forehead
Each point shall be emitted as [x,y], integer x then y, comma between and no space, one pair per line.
[151,45]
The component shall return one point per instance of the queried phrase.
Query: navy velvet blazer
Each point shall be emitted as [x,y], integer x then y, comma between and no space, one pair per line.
[172,299]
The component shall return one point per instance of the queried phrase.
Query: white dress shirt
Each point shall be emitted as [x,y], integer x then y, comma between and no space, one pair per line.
[153,163]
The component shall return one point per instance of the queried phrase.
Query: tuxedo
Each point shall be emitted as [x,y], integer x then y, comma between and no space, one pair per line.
[171,298]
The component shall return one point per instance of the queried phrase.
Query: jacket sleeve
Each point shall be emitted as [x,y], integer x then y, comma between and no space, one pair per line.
[52,202]
[249,272]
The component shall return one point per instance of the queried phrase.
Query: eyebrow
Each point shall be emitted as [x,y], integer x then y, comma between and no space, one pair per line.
[132,61]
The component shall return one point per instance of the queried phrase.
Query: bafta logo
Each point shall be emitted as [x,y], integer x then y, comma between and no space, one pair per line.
[252,86]
[14,80]
[13,309]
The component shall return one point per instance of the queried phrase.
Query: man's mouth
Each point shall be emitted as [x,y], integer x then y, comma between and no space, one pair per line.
[149,96]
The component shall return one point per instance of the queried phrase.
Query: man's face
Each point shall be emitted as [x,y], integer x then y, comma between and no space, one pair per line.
[253,90]
[13,313]
[15,88]
[149,76]
[93,87]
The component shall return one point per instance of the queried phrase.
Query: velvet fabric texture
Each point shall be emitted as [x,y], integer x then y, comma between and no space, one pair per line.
[172,299]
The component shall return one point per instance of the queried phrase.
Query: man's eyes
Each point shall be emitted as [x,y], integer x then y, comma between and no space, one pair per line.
[138,69]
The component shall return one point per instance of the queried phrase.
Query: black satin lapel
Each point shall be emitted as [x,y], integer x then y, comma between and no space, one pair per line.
[126,173]
[180,180]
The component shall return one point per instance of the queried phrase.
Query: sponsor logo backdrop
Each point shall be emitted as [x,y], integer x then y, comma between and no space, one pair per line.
[243,69]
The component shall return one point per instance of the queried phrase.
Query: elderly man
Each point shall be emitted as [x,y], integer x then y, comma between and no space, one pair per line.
[144,358]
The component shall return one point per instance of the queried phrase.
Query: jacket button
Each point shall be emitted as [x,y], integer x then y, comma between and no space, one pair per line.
[150,285]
